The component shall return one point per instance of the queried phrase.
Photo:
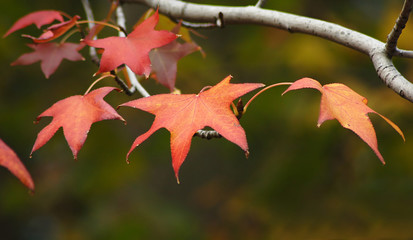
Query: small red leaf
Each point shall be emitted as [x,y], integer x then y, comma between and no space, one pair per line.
[50,55]
[165,60]
[340,102]
[54,31]
[38,18]
[183,115]
[75,115]
[132,50]
[11,161]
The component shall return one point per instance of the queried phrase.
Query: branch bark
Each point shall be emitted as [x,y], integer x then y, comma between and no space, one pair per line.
[401,21]
[372,47]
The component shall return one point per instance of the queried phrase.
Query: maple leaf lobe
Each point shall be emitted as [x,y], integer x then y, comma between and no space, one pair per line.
[54,31]
[183,115]
[132,50]
[39,18]
[75,115]
[11,161]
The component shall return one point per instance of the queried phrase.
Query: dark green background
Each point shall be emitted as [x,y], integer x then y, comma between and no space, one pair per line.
[300,181]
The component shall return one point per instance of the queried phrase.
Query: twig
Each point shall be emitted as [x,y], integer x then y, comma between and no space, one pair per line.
[196,25]
[207,134]
[91,18]
[292,23]
[403,53]
[401,21]
[260,3]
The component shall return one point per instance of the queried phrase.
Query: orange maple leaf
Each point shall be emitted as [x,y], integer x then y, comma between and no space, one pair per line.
[76,115]
[183,115]
[340,102]
[11,161]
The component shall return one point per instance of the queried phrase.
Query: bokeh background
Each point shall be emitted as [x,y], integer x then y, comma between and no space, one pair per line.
[300,181]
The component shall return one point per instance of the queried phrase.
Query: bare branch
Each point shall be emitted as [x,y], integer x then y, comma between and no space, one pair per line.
[391,77]
[401,21]
[292,23]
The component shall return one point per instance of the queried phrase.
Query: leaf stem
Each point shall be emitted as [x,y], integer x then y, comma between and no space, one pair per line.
[65,14]
[68,35]
[96,81]
[101,23]
[262,90]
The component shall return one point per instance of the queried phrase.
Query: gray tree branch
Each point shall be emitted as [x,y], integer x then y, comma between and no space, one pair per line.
[372,47]
[401,21]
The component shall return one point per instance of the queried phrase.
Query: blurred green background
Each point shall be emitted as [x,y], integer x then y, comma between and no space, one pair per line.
[300,181]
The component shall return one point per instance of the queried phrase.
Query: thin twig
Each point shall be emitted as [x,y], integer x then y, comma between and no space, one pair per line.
[196,25]
[89,15]
[260,3]
[403,53]
[401,21]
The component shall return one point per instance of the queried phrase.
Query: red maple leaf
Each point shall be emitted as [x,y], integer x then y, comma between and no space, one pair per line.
[54,31]
[340,102]
[132,50]
[50,55]
[39,18]
[76,114]
[183,115]
[165,59]
[11,161]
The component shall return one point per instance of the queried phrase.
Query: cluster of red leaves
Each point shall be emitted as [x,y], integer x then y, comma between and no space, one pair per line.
[50,54]
[181,114]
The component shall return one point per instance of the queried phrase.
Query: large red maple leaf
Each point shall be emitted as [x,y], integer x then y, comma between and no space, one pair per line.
[132,50]
[39,18]
[342,103]
[183,115]
[50,55]
[76,115]
[11,161]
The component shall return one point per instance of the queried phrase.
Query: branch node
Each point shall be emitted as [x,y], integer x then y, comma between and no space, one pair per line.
[207,134]
[220,20]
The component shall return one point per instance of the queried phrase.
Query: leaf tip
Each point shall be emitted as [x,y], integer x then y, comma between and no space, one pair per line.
[247,153]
